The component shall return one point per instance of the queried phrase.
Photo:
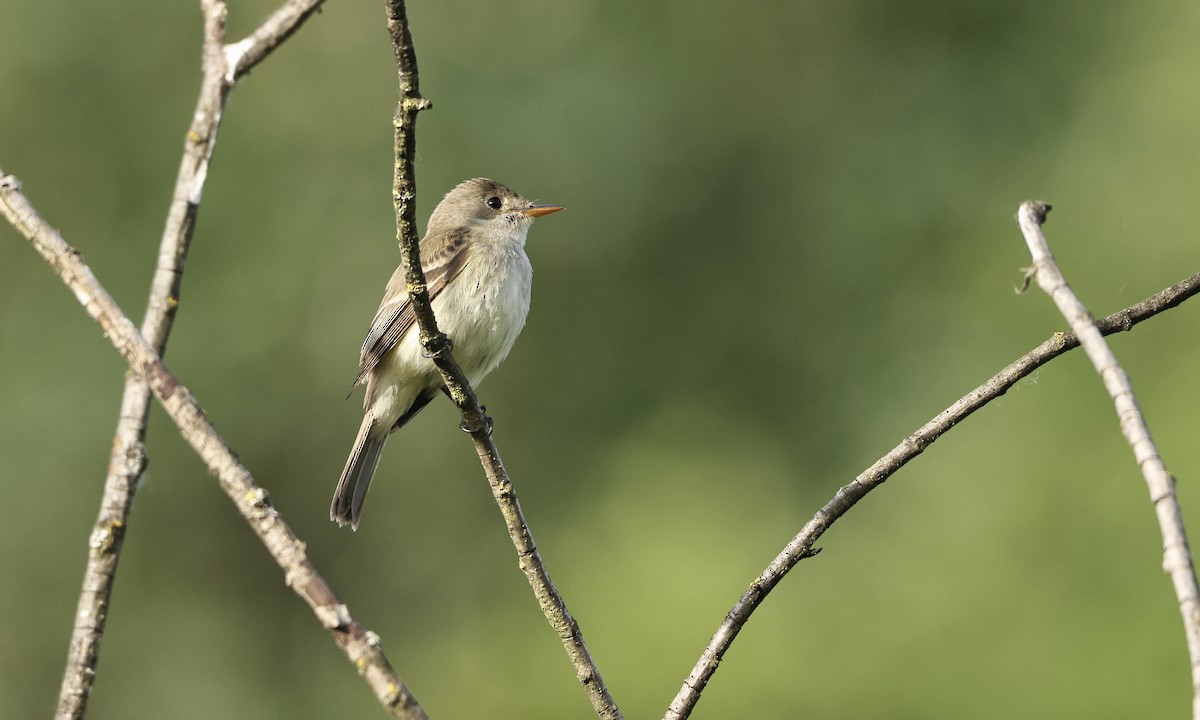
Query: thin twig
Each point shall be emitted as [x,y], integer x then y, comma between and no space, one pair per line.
[360,645]
[128,458]
[437,346]
[242,56]
[801,546]
[1177,559]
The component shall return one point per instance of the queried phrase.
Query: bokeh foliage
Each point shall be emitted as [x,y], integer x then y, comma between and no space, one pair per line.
[789,242]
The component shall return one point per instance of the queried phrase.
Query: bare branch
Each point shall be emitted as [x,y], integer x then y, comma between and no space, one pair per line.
[128,459]
[1177,558]
[359,645]
[242,56]
[437,346]
[801,546]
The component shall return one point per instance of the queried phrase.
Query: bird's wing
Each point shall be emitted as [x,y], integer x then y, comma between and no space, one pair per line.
[395,315]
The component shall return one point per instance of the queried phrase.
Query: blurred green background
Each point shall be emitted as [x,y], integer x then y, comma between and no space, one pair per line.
[789,242]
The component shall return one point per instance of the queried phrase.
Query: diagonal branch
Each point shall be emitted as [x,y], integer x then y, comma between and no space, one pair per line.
[438,347]
[801,546]
[242,56]
[359,645]
[1177,559]
[128,459]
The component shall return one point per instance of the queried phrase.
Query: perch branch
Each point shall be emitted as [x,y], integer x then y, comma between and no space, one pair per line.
[1177,558]
[436,345]
[360,645]
[128,459]
[801,546]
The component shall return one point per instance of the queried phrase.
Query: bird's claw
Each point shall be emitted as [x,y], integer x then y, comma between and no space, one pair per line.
[471,428]
[440,348]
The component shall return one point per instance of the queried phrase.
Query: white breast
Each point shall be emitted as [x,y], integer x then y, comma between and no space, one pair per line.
[483,310]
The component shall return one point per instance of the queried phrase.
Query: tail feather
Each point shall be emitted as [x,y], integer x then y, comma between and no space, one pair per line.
[356,477]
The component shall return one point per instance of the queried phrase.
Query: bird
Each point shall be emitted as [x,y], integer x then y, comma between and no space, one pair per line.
[479,278]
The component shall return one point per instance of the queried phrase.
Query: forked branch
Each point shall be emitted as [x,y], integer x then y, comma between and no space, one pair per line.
[360,646]
[222,65]
[801,546]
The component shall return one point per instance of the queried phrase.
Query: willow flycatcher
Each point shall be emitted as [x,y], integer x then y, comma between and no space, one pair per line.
[473,255]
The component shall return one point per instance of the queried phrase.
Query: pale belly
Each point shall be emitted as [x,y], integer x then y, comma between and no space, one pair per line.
[482,311]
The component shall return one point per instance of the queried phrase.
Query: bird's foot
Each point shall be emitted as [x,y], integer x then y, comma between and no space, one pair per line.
[472,428]
[437,348]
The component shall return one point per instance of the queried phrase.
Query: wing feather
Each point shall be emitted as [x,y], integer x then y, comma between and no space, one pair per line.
[395,315]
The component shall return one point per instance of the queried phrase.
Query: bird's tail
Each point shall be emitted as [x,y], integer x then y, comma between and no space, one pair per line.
[356,477]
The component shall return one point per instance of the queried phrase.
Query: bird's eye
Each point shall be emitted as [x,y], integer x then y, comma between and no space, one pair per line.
[494,202]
